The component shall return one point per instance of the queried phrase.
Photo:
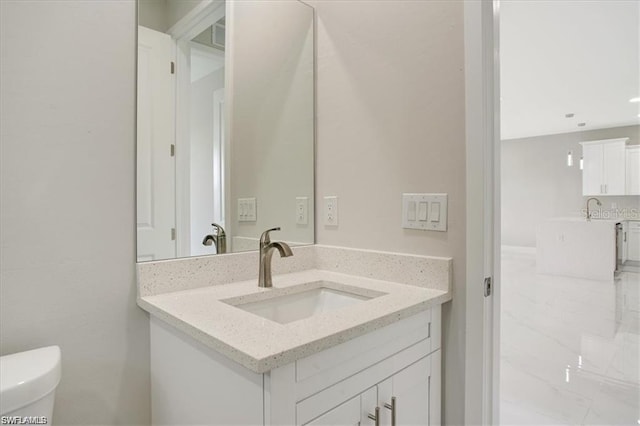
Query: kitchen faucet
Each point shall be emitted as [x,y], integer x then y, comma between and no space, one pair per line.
[219,239]
[266,253]
[597,202]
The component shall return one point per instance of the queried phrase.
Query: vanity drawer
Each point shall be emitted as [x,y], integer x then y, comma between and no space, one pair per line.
[328,367]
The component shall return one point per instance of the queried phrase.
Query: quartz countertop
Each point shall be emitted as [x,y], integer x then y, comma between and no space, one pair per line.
[262,345]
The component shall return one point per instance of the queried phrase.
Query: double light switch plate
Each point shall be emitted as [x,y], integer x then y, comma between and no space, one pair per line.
[247,210]
[427,212]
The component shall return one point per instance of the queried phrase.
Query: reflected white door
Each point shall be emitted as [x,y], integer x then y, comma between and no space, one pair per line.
[155,160]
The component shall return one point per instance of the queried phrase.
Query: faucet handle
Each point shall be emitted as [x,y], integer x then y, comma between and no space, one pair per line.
[219,229]
[264,238]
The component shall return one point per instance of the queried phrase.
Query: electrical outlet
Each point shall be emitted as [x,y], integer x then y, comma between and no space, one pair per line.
[331,211]
[302,210]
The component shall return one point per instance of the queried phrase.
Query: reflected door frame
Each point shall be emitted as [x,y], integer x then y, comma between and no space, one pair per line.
[197,20]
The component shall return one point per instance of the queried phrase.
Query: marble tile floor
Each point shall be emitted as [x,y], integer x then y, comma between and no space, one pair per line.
[569,347]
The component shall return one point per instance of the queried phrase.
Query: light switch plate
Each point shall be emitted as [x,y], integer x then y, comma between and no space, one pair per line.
[302,211]
[427,212]
[331,211]
[247,210]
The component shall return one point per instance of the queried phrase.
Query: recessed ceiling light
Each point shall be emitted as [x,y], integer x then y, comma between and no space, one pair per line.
[634,99]
[582,124]
[569,115]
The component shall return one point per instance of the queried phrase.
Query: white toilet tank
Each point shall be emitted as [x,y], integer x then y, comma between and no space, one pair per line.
[28,381]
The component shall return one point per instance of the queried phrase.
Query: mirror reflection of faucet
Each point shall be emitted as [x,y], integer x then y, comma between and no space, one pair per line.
[266,253]
[218,239]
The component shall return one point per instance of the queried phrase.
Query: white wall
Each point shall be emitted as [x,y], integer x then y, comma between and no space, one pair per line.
[67,203]
[391,120]
[536,183]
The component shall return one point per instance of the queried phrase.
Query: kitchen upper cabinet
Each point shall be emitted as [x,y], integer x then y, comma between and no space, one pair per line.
[633,170]
[604,167]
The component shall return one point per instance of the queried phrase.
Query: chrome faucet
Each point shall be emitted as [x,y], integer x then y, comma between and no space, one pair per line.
[597,202]
[266,253]
[219,239]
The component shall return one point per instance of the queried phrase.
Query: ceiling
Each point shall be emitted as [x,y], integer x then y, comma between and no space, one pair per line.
[568,57]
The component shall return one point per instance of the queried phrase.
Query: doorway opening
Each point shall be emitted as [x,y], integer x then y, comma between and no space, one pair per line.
[569,282]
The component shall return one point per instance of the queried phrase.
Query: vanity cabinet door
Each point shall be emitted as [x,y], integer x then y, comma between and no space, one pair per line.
[410,388]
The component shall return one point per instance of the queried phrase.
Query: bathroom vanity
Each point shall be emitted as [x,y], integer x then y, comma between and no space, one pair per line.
[344,337]
[395,369]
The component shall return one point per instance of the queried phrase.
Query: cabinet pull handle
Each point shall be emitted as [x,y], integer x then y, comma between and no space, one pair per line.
[392,407]
[375,417]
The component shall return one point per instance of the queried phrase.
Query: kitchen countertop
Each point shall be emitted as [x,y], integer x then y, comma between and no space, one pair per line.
[262,345]
[584,220]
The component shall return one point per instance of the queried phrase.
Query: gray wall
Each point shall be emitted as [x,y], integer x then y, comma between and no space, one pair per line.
[391,110]
[153,14]
[161,15]
[67,203]
[537,184]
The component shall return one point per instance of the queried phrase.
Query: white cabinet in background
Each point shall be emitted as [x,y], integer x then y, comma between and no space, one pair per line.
[633,170]
[621,239]
[604,167]
[396,369]
[633,241]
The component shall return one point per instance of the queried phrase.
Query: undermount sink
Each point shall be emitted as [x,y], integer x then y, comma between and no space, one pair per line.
[288,307]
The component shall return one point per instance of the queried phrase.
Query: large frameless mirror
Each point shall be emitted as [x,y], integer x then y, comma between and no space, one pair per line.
[225,139]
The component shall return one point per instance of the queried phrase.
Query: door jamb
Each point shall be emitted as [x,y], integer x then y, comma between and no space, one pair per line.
[482,338]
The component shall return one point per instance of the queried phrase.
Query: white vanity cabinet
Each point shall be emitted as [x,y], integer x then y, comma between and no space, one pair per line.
[403,399]
[604,167]
[396,368]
